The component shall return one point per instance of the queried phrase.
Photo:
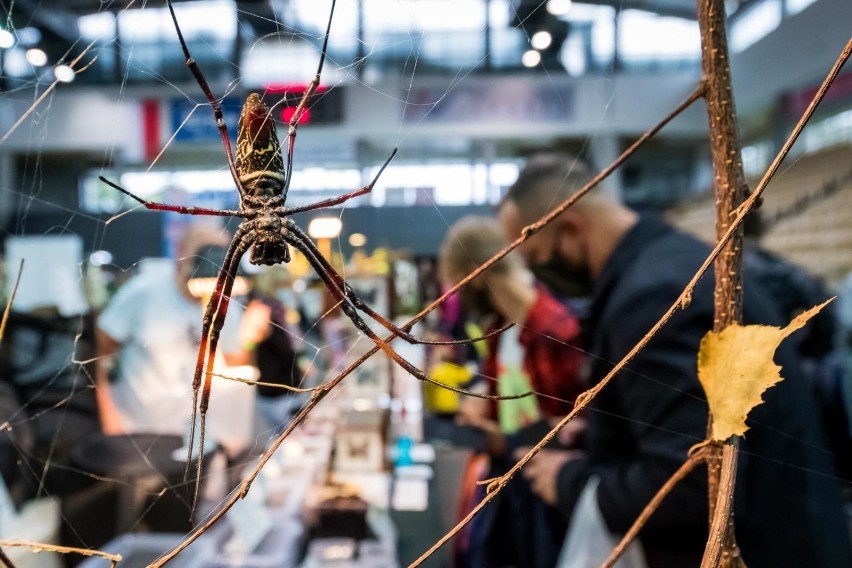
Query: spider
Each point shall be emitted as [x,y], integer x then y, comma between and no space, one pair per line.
[262,179]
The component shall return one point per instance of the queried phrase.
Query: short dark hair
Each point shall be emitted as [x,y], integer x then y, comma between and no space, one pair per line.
[547,179]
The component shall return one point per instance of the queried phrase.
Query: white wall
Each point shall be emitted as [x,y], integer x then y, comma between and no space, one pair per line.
[799,53]
[109,120]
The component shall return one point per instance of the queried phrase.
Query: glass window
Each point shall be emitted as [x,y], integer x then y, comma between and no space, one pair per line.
[643,35]
[755,23]
[796,6]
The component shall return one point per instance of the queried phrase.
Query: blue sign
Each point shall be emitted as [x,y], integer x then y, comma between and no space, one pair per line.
[195,123]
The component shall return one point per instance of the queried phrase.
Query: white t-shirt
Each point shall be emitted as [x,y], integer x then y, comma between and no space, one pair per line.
[160,332]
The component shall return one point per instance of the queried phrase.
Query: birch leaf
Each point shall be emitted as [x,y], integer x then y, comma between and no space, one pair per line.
[735,367]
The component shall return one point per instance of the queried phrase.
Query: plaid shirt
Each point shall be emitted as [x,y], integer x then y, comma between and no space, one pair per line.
[553,359]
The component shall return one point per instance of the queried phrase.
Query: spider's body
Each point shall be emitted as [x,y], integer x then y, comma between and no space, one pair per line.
[263,187]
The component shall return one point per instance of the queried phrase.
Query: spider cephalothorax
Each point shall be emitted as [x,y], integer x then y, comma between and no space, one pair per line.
[269,245]
[258,158]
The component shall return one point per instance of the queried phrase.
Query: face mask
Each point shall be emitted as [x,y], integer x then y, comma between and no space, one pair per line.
[563,278]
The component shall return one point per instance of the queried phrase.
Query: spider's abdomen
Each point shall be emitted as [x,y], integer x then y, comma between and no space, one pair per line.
[258,157]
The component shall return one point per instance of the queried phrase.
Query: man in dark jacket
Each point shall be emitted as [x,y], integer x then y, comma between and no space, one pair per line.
[788,507]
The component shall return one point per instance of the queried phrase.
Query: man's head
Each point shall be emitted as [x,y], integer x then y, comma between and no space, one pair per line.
[568,253]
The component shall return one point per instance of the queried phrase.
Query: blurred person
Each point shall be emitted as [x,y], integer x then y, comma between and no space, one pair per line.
[548,330]
[271,346]
[794,290]
[641,426]
[541,352]
[153,326]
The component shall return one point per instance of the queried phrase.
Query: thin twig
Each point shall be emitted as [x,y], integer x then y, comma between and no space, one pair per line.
[10,301]
[719,524]
[262,384]
[42,547]
[685,469]
[324,389]
[7,562]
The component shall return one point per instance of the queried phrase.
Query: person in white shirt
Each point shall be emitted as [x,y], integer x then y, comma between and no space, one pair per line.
[153,326]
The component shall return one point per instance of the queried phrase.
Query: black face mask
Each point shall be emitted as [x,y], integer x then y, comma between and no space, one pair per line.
[564,278]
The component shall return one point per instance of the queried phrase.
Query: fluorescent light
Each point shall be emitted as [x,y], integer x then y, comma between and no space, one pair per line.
[541,40]
[558,7]
[325,227]
[36,57]
[6,39]
[64,73]
[531,58]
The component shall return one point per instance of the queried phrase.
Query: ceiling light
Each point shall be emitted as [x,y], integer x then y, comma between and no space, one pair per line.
[541,40]
[531,58]
[6,39]
[558,7]
[357,239]
[64,73]
[100,258]
[325,227]
[36,57]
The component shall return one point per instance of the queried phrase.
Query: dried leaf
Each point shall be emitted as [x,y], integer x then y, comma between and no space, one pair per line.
[735,367]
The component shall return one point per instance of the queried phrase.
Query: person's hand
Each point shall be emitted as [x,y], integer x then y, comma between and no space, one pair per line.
[255,325]
[111,422]
[543,469]
[571,435]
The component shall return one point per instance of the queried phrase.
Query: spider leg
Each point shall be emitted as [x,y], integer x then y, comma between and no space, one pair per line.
[332,285]
[346,196]
[300,108]
[176,208]
[360,304]
[214,319]
[215,104]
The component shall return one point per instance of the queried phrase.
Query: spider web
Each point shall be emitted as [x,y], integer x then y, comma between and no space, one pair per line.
[31,112]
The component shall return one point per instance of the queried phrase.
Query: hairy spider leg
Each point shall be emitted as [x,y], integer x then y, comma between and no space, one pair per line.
[215,104]
[214,318]
[361,305]
[346,196]
[175,208]
[330,277]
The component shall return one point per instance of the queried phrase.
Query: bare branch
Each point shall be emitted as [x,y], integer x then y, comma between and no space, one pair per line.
[41,547]
[262,384]
[722,514]
[11,300]
[685,469]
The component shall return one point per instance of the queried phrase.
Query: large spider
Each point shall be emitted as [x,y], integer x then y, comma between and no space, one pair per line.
[262,179]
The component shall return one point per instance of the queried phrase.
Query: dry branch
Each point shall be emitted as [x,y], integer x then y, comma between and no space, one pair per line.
[730,190]
[10,301]
[40,547]
[720,523]
[685,469]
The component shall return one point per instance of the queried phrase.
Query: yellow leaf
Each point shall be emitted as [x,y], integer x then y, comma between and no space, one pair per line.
[735,367]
